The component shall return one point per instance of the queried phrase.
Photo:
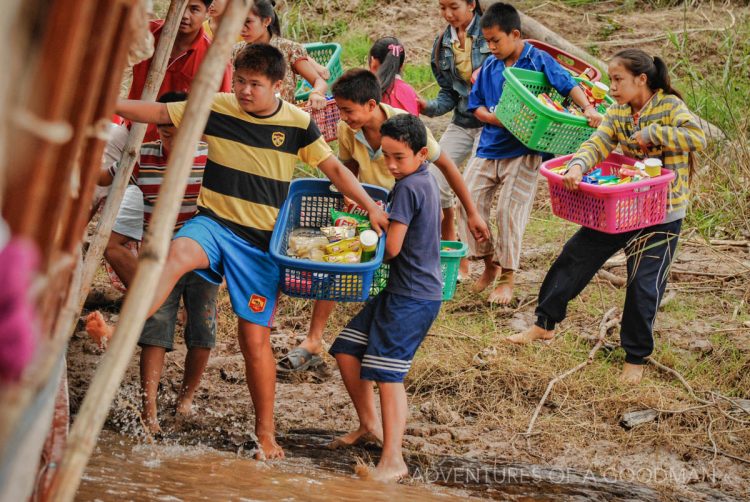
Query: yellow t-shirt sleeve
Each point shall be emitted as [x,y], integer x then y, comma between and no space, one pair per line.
[315,153]
[345,142]
[433,147]
[176,111]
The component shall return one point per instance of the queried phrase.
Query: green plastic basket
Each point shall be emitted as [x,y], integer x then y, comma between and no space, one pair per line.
[535,125]
[328,55]
[451,253]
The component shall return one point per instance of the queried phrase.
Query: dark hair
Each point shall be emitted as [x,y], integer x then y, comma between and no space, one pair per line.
[208,3]
[172,97]
[262,58]
[503,16]
[389,52]
[265,9]
[357,85]
[406,128]
[638,62]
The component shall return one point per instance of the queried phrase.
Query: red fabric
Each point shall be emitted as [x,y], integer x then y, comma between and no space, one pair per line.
[180,71]
[403,96]
[18,261]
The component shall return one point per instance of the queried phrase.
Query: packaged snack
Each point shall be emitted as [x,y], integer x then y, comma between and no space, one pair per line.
[303,241]
[343,246]
[353,208]
[335,234]
[369,241]
[347,257]
[363,227]
[342,219]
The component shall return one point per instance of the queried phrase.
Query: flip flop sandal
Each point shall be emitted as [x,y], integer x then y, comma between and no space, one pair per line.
[298,359]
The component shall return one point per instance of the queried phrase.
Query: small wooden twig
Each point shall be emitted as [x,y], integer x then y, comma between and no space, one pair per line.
[720,452]
[615,280]
[679,377]
[604,326]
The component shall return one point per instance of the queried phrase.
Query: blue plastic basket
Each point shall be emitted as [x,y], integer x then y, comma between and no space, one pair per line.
[308,205]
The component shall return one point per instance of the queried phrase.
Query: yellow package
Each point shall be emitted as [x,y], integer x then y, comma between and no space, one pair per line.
[343,246]
[346,257]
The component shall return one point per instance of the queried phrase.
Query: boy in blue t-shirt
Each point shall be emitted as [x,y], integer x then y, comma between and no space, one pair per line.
[501,161]
[379,343]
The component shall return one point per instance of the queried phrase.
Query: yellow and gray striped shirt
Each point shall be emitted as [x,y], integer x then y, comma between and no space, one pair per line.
[670,128]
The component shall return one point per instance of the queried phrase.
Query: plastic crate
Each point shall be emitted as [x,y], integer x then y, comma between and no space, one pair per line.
[570,62]
[451,253]
[535,125]
[328,55]
[326,118]
[308,205]
[612,209]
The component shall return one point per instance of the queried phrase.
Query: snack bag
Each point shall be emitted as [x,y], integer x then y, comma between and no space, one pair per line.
[335,234]
[344,246]
[347,257]
[343,219]
[353,208]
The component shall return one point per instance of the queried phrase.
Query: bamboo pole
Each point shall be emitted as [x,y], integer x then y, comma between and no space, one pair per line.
[112,368]
[156,73]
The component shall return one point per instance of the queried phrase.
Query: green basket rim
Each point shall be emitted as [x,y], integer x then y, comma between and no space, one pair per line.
[460,249]
[533,102]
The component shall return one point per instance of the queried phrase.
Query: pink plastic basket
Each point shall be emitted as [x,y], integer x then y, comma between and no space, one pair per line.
[326,118]
[612,209]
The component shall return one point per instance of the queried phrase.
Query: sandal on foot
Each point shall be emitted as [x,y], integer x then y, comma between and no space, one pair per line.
[298,359]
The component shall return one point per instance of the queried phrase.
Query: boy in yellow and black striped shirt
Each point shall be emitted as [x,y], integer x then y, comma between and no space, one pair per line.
[254,140]
[649,120]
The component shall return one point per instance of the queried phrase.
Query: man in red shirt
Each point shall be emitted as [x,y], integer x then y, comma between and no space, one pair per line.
[188,52]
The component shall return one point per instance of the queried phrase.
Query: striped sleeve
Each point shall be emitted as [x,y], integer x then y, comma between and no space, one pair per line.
[176,111]
[682,134]
[599,145]
[314,148]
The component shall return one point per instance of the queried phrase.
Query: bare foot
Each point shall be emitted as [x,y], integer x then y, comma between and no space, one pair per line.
[358,437]
[269,448]
[463,270]
[151,421]
[385,473]
[184,408]
[503,293]
[312,346]
[531,334]
[97,329]
[487,278]
[632,373]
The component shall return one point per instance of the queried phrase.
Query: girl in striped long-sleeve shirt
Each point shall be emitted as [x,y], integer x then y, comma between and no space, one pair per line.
[649,120]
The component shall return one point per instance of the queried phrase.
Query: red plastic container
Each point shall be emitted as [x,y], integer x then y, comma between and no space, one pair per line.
[612,209]
[327,118]
[569,61]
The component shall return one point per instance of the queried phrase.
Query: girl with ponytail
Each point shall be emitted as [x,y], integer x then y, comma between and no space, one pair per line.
[649,120]
[386,61]
[262,25]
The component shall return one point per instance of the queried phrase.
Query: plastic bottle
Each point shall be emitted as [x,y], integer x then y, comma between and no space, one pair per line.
[653,167]
[369,241]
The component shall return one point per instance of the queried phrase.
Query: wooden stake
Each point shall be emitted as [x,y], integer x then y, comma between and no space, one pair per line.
[111,370]
[156,73]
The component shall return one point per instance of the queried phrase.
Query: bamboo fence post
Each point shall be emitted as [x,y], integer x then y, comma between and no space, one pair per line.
[95,406]
[156,73]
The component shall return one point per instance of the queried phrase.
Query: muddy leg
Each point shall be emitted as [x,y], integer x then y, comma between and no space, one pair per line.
[195,363]
[394,406]
[152,363]
[363,397]
[260,373]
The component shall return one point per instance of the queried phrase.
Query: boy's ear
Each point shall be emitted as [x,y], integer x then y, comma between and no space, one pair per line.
[422,154]
[516,34]
[371,105]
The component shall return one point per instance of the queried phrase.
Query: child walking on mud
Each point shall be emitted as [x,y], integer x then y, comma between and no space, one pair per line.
[254,141]
[502,162]
[379,343]
[649,120]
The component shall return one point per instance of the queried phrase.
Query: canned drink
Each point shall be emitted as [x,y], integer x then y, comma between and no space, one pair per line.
[653,167]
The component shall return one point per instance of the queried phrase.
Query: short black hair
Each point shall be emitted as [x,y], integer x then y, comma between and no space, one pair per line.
[406,128]
[262,58]
[357,85]
[208,3]
[172,97]
[502,16]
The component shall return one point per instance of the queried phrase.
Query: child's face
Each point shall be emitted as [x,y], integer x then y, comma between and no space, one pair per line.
[458,13]
[193,17]
[354,114]
[254,91]
[624,87]
[167,134]
[217,8]
[502,45]
[400,160]
[255,28]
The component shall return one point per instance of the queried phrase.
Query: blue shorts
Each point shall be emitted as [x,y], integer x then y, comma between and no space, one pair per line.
[252,277]
[386,334]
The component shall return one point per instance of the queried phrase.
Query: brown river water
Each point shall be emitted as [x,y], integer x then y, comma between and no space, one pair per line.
[122,469]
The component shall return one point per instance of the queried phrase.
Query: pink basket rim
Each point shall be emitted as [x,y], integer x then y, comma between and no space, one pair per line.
[614,158]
